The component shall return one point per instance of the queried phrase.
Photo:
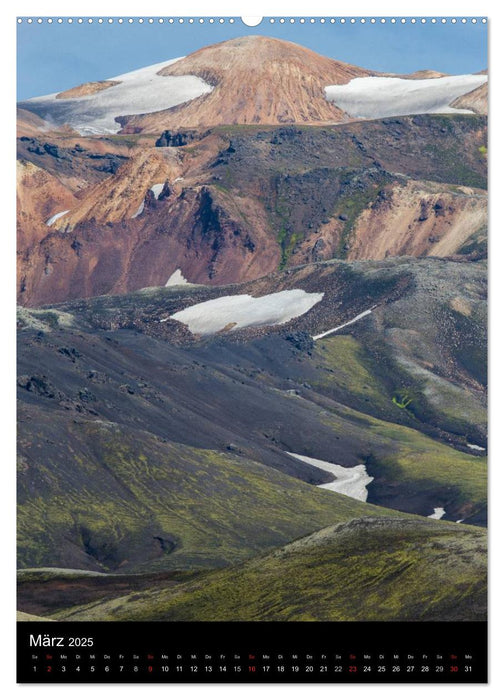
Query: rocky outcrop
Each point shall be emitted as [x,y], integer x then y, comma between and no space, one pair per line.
[196,231]
[68,159]
[177,138]
[425,220]
[121,194]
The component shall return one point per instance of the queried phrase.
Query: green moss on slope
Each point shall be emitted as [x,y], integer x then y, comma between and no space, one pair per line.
[367,569]
[126,502]
[409,459]
[347,371]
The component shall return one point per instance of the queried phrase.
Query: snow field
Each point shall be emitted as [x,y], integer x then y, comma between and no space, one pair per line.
[349,481]
[157,189]
[55,217]
[139,210]
[243,311]
[139,92]
[437,514]
[476,447]
[375,97]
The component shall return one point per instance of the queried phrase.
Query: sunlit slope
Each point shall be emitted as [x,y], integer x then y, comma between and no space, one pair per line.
[239,202]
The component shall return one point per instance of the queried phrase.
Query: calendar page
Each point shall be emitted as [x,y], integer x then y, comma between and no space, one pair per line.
[251,370]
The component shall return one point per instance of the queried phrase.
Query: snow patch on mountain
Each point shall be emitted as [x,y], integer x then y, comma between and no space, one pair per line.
[475,447]
[139,210]
[55,217]
[377,97]
[349,481]
[176,279]
[438,514]
[242,311]
[157,189]
[138,92]
[343,325]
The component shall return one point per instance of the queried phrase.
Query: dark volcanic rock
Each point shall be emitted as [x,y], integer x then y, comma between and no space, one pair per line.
[37,384]
[71,353]
[69,161]
[302,341]
[177,138]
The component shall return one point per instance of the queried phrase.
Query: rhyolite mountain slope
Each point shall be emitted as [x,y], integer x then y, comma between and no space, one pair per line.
[256,80]
[238,202]
[476,100]
[86,89]
[243,167]
[29,124]
[39,194]
[248,80]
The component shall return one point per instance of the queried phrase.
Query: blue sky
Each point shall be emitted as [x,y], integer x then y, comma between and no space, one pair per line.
[54,57]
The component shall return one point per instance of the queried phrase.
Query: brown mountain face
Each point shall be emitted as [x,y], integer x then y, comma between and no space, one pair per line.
[426,74]
[476,100]
[86,89]
[119,196]
[193,230]
[39,196]
[29,124]
[257,80]
[426,220]
[240,203]
[405,218]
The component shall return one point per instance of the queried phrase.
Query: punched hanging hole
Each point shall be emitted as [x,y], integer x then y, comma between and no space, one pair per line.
[252,21]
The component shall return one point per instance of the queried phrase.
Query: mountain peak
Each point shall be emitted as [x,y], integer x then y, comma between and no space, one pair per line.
[256,80]
[255,52]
